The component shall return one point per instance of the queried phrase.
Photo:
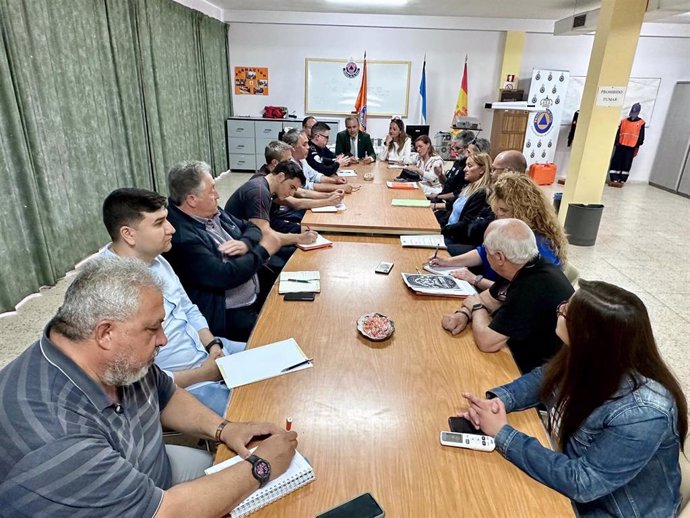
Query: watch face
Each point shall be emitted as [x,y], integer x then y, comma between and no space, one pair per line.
[477,306]
[262,469]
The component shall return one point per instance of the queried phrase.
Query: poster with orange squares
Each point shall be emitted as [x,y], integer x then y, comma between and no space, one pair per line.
[251,80]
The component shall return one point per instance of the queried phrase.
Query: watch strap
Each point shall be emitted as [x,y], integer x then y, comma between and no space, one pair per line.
[216,341]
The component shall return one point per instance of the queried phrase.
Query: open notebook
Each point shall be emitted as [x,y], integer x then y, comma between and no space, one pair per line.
[298,474]
[261,363]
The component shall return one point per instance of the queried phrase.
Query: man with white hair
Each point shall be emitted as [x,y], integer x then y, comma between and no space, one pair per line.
[519,310]
[83,410]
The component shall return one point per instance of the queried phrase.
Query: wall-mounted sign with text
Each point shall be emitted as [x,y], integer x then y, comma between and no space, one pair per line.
[611,96]
[251,80]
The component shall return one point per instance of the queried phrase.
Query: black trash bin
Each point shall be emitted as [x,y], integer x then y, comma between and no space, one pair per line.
[582,223]
[557,197]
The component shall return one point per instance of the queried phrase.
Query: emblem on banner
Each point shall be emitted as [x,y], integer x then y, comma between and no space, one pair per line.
[543,121]
[351,70]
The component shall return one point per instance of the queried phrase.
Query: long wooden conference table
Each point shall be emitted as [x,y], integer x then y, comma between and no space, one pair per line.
[369,413]
[370,210]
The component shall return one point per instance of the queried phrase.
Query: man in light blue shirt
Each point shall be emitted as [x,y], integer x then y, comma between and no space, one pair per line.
[136,220]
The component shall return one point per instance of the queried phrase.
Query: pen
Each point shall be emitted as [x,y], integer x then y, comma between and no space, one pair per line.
[436,252]
[291,367]
[299,280]
[288,423]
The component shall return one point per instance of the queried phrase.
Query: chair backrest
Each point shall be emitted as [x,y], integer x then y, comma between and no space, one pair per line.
[685,482]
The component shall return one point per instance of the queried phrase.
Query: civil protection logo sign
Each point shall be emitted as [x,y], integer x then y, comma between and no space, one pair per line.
[543,121]
[351,70]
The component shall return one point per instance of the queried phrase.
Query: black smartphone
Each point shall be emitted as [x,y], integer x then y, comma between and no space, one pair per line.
[462,425]
[363,506]
[306,296]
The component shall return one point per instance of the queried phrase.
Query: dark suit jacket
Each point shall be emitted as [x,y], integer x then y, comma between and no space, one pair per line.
[474,218]
[364,145]
[197,262]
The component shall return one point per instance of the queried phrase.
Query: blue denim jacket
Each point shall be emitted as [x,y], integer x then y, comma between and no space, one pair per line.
[622,461]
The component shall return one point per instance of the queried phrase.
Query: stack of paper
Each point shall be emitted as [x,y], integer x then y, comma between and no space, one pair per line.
[330,208]
[299,282]
[321,242]
[441,285]
[346,172]
[404,202]
[260,363]
[441,270]
[424,241]
[402,185]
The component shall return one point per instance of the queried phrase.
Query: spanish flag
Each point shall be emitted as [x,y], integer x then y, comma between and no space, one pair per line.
[361,102]
[461,105]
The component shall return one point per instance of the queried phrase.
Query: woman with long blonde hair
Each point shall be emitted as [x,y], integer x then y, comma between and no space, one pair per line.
[472,200]
[514,195]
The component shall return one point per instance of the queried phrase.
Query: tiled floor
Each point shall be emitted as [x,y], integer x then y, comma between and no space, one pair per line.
[643,245]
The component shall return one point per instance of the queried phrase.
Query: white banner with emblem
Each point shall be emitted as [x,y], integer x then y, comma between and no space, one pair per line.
[547,91]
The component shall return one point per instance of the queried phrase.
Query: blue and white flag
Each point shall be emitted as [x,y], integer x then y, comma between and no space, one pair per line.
[422,95]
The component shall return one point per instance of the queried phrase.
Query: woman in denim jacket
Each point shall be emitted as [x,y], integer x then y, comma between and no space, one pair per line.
[616,413]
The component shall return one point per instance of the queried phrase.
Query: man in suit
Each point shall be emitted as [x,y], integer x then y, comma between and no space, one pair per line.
[354,143]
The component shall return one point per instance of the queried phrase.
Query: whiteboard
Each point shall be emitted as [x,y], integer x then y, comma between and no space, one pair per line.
[641,90]
[328,91]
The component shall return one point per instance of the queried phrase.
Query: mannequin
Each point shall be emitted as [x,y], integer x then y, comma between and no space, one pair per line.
[629,138]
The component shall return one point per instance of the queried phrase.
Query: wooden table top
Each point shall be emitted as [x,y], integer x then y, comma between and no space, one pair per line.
[369,210]
[369,414]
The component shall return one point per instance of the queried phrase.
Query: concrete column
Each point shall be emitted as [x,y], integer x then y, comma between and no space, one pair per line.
[512,55]
[615,43]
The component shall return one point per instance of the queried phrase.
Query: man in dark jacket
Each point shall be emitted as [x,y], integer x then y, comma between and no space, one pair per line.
[355,143]
[320,158]
[215,255]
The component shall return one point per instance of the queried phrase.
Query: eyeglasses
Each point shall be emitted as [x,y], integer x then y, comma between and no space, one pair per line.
[321,135]
[561,309]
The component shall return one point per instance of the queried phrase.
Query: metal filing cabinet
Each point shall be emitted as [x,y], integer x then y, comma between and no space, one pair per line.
[247,139]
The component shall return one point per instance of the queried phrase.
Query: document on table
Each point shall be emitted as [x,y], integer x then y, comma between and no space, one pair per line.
[321,242]
[441,270]
[424,241]
[346,172]
[260,363]
[299,282]
[404,202]
[331,208]
[402,185]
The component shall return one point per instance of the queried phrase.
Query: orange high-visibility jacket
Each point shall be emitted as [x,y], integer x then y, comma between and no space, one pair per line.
[630,132]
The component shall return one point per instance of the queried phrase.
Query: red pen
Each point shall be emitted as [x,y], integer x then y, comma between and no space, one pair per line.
[288,423]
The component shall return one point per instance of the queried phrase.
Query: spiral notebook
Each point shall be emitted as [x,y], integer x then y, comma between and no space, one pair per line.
[298,474]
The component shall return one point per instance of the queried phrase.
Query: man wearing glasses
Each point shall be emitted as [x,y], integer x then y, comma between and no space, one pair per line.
[320,158]
[355,143]
[519,310]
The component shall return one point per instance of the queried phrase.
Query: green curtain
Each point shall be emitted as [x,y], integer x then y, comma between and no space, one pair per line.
[91,99]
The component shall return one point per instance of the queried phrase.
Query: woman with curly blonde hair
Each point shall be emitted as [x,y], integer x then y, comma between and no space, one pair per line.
[514,195]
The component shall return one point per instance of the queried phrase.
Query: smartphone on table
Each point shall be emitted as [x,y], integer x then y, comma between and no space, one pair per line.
[362,506]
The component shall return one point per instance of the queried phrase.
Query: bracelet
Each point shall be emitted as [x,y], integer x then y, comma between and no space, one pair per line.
[220,429]
[467,315]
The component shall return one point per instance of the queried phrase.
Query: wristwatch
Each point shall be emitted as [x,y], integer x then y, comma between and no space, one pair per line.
[477,280]
[478,306]
[261,469]
[216,341]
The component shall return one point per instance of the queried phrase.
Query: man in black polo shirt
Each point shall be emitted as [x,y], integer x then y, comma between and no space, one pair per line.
[258,201]
[320,158]
[519,310]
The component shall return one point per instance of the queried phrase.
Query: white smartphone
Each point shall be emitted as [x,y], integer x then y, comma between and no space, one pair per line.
[384,268]
[468,440]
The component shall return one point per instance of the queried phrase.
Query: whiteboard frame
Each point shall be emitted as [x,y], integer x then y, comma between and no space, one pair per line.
[359,62]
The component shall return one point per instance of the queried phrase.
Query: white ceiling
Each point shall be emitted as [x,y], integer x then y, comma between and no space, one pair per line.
[523,9]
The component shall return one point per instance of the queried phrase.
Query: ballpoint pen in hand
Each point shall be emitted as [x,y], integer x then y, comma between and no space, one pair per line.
[291,367]
[436,252]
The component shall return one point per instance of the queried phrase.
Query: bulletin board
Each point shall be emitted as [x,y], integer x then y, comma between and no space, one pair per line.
[328,91]
[641,90]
